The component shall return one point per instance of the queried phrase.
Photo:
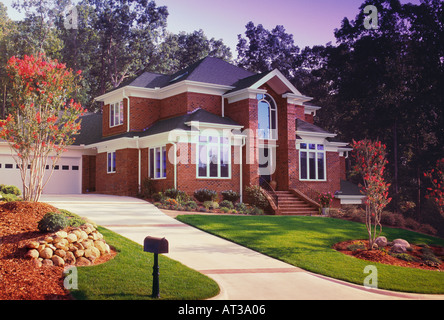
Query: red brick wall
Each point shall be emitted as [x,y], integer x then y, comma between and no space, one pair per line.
[122,182]
[245,113]
[186,173]
[88,174]
[188,101]
[143,113]
[334,174]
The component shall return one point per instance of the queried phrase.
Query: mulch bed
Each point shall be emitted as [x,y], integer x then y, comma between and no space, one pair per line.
[19,278]
[382,256]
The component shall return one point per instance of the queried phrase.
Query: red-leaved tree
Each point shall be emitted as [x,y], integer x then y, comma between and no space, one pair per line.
[370,161]
[436,192]
[44,120]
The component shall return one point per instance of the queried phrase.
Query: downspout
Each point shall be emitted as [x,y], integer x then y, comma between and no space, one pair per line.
[174,143]
[128,110]
[139,166]
[240,169]
[223,106]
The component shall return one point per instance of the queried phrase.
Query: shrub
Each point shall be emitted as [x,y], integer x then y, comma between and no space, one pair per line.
[10,190]
[211,204]
[74,220]
[157,197]
[147,188]
[256,211]
[190,205]
[171,193]
[356,246]
[226,204]
[412,224]
[224,209]
[255,197]
[404,256]
[9,197]
[52,222]
[429,257]
[428,229]
[230,195]
[241,207]
[205,194]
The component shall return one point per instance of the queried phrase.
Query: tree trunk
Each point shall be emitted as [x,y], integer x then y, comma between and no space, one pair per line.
[395,164]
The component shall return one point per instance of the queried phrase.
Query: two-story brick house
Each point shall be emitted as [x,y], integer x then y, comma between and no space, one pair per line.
[211,125]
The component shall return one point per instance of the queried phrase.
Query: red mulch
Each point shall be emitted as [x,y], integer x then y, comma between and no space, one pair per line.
[382,256]
[19,279]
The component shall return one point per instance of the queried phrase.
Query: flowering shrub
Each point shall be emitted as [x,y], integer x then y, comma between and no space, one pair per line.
[436,192]
[370,162]
[45,118]
[325,199]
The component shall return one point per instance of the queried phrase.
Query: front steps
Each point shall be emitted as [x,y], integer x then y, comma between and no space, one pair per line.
[291,204]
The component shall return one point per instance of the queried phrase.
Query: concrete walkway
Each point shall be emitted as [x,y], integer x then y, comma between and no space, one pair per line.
[241,273]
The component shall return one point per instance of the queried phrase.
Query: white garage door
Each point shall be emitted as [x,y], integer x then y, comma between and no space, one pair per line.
[66,179]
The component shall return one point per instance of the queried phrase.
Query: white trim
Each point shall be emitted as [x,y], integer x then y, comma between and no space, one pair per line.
[208,162]
[316,152]
[276,73]
[243,94]
[273,133]
[350,199]
[297,99]
[311,109]
[200,124]
[113,162]
[161,162]
[166,92]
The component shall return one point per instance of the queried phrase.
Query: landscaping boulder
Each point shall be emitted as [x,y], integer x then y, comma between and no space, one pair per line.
[78,246]
[381,242]
[401,242]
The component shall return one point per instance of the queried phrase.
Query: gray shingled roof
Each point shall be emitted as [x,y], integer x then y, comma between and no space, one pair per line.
[207,70]
[91,130]
[302,125]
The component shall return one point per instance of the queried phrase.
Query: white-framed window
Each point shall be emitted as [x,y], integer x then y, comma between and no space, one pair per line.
[116,114]
[267,117]
[157,162]
[312,164]
[214,157]
[111,162]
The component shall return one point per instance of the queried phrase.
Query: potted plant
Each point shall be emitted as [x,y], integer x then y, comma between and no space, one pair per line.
[325,200]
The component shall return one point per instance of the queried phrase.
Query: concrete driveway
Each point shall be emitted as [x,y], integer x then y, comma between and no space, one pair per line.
[241,273]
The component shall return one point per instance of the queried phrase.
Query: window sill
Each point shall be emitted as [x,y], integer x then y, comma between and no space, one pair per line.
[213,178]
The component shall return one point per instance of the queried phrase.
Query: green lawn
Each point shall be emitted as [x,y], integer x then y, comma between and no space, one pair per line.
[129,276]
[307,242]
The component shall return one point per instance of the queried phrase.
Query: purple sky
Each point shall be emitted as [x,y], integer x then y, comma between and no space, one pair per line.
[310,21]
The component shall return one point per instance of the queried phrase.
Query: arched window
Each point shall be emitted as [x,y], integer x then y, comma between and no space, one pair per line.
[267,117]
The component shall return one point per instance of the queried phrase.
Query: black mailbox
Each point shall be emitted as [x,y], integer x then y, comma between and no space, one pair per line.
[155,245]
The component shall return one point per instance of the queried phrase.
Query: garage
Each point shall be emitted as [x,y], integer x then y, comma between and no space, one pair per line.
[66,179]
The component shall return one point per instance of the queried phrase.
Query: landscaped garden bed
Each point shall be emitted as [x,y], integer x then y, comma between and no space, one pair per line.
[427,257]
[123,273]
[207,201]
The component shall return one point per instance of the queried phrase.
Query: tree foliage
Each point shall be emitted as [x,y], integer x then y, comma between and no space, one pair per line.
[44,120]
[370,165]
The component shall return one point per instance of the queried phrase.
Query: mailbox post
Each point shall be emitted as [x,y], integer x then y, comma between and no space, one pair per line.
[156,246]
